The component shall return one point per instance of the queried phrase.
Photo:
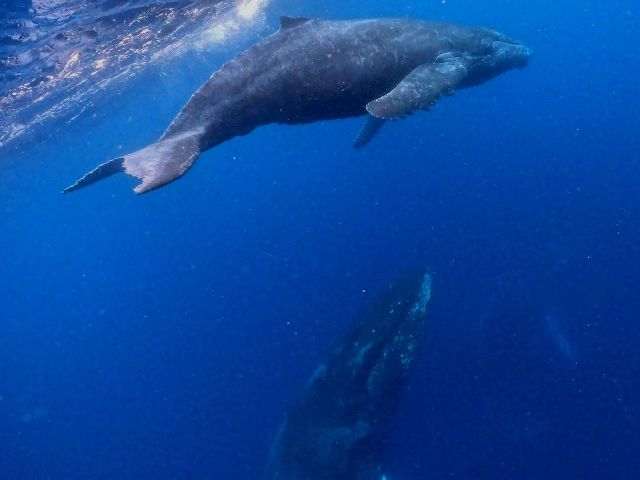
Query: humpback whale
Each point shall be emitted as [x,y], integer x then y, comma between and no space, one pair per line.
[337,427]
[311,70]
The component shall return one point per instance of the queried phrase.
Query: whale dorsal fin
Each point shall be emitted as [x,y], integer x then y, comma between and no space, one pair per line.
[421,89]
[291,22]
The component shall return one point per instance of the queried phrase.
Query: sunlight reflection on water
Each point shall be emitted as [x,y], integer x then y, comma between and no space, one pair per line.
[55,66]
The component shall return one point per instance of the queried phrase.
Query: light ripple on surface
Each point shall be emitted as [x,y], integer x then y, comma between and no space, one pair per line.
[57,58]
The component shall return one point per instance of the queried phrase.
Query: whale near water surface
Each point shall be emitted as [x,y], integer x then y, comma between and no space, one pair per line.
[312,70]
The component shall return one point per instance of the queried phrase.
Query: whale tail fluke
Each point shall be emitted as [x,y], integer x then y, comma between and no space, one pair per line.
[156,165]
[101,171]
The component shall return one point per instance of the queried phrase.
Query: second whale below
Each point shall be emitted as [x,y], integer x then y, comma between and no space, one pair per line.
[313,70]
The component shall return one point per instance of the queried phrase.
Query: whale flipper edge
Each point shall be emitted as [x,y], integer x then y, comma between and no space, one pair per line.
[419,90]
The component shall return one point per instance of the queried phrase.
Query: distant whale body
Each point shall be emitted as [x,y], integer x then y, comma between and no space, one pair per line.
[338,427]
[314,70]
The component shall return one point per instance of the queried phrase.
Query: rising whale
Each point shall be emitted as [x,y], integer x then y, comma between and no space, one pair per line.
[338,426]
[314,70]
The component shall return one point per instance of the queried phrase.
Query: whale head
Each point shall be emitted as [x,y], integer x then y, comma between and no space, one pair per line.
[507,52]
[490,53]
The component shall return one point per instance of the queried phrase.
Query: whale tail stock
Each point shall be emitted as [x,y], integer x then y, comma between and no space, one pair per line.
[156,165]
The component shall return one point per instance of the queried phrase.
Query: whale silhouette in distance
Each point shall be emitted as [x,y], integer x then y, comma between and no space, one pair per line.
[311,70]
[336,429]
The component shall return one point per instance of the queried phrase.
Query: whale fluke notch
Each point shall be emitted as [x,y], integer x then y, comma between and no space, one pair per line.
[292,22]
[164,161]
[420,90]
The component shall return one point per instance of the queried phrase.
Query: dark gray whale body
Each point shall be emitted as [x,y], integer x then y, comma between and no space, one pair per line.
[314,70]
[337,428]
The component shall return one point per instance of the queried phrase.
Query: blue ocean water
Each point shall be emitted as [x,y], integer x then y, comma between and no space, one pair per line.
[163,336]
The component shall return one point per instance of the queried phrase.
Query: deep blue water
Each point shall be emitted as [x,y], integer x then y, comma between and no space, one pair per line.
[163,336]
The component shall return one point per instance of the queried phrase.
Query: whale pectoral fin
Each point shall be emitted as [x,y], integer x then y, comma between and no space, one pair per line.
[368,131]
[419,90]
[156,165]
